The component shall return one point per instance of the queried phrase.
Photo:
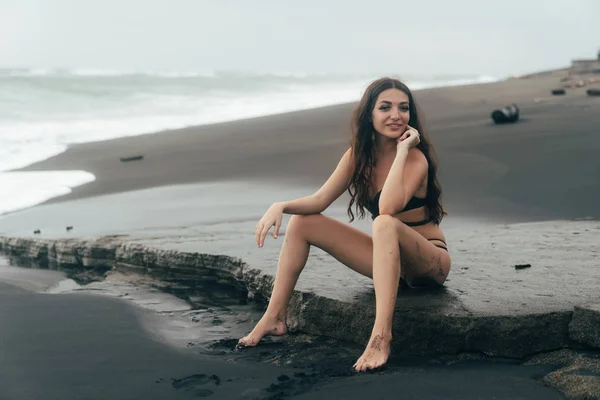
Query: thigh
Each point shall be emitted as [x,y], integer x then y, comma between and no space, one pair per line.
[420,259]
[350,246]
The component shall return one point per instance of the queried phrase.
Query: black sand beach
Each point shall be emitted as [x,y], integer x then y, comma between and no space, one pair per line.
[532,170]
[82,346]
[85,346]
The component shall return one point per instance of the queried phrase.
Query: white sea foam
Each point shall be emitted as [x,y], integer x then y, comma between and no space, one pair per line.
[24,189]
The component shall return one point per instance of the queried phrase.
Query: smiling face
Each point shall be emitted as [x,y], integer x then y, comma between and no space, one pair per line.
[391,113]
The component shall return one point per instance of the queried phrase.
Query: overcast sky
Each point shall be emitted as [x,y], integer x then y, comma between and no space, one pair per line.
[499,38]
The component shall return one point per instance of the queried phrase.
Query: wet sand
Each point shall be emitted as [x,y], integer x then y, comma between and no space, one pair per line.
[89,347]
[81,345]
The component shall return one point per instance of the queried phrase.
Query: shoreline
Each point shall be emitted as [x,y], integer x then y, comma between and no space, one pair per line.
[281,113]
[27,168]
[305,146]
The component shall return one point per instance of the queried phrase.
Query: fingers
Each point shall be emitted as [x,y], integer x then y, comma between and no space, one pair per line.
[276,230]
[264,235]
[410,138]
[262,229]
[410,129]
[412,132]
[261,232]
[404,136]
[257,232]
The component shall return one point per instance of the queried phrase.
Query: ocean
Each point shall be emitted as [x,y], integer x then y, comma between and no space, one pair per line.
[42,111]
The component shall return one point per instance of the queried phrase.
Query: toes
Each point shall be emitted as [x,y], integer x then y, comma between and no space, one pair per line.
[243,344]
[240,347]
[247,341]
[364,364]
[361,367]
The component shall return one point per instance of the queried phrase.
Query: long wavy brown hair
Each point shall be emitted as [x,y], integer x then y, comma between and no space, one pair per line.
[364,151]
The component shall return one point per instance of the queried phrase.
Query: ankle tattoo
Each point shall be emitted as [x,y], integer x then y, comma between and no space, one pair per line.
[376,342]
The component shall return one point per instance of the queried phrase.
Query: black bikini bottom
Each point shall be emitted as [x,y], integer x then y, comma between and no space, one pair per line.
[418,223]
[424,222]
[437,245]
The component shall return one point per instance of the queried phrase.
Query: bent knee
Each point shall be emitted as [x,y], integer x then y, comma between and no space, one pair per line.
[299,223]
[384,223]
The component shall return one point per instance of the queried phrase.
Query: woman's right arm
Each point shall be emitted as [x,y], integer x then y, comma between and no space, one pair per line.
[313,204]
[327,194]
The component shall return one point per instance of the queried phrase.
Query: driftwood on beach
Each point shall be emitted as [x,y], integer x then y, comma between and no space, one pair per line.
[593,92]
[132,158]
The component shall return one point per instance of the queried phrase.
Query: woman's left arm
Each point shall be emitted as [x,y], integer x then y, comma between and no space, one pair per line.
[407,173]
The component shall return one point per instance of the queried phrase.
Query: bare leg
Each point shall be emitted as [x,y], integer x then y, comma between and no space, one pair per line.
[347,244]
[386,277]
[292,259]
[397,249]
[355,249]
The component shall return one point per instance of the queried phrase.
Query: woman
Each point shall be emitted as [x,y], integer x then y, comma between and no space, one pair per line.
[389,170]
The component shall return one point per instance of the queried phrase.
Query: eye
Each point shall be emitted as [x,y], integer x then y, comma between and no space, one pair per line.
[384,108]
[404,108]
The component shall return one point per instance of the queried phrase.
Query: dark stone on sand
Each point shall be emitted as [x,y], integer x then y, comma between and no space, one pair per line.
[507,114]
[557,92]
[593,92]
[522,266]
[585,325]
[132,158]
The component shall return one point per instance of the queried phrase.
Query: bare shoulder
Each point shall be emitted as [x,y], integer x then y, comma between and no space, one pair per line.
[346,160]
[415,155]
[347,155]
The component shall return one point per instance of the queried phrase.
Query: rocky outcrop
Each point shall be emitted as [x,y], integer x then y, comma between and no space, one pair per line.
[585,325]
[417,330]
[578,373]
[431,322]
[96,256]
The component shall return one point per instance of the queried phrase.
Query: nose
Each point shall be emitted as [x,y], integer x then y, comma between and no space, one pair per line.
[395,114]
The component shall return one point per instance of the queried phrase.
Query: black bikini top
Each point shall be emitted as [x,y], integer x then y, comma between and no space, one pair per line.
[414,202]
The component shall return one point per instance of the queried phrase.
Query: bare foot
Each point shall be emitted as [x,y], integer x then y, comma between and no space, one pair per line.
[266,326]
[376,353]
